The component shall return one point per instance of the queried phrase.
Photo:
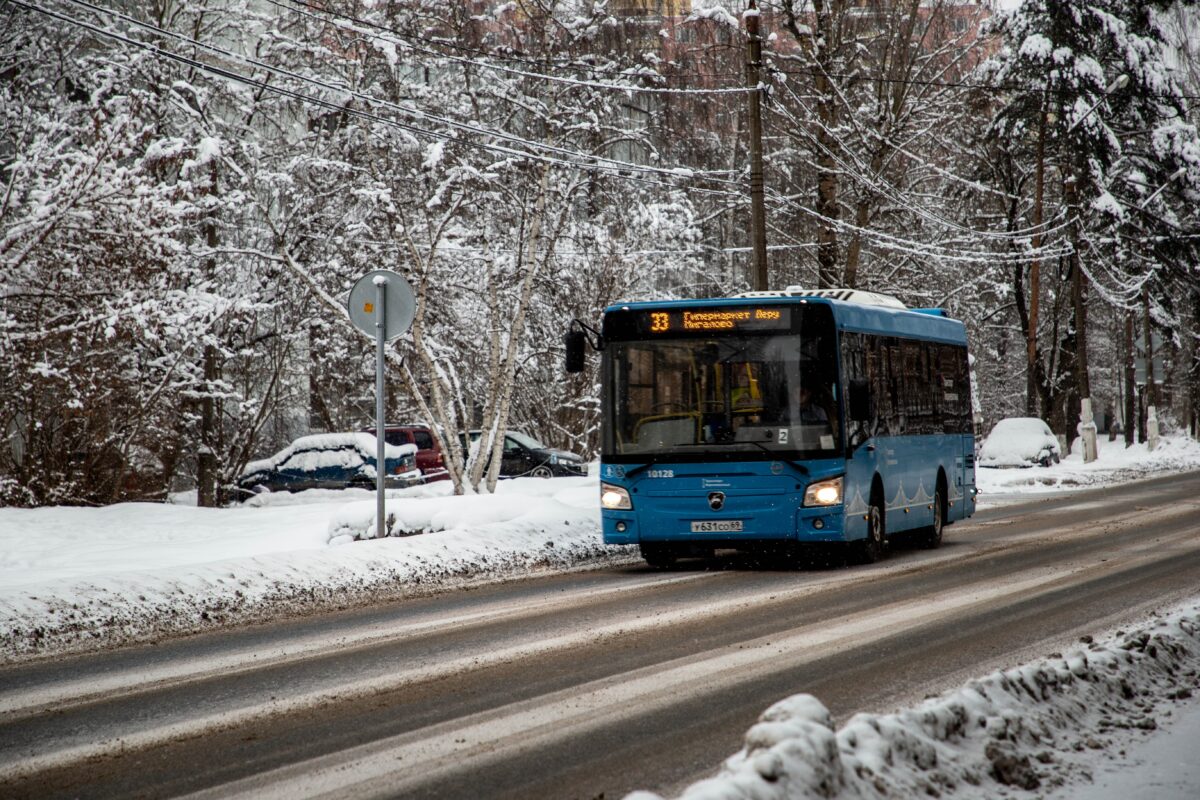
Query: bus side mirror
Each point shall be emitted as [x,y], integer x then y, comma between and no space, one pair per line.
[576,341]
[859,400]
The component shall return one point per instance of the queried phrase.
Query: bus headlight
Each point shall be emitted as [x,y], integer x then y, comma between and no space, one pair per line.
[824,493]
[615,498]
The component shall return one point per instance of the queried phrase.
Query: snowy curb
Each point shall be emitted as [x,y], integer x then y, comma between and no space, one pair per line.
[530,528]
[1023,728]
[87,617]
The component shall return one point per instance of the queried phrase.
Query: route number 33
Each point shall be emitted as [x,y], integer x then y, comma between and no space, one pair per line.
[659,322]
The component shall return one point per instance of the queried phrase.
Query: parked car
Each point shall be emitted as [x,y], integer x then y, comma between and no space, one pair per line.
[429,454]
[525,456]
[1019,442]
[330,461]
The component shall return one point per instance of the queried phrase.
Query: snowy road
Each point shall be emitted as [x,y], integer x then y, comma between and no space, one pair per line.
[591,683]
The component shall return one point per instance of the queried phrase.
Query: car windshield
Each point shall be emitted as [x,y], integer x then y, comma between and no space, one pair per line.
[523,439]
[526,440]
[753,395]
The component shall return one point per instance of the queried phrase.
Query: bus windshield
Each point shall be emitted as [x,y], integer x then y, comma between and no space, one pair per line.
[740,396]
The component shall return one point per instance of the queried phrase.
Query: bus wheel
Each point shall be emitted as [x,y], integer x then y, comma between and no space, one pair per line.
[870,550]
[658,556]
[931,537]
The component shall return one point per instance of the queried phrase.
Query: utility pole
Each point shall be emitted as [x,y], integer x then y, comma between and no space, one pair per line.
[758,221]
[1031,386]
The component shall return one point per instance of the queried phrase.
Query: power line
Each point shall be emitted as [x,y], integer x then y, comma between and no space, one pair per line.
[395,37]
[599,163]
[892,193]
[610,166]
[468,128]
[513,56]
[575,66]
[923,249]
[987,87]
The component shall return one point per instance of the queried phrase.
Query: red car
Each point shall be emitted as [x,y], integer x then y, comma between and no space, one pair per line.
[429,455]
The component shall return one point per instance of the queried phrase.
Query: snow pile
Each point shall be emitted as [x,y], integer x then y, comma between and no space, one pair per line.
[1028,728]
[81,578]
[1115,464]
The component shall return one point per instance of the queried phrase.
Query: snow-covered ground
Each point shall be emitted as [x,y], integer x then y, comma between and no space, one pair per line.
[78,578]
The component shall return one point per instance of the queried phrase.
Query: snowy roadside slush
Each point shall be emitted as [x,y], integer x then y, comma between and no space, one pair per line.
[1021,732]
[74,579]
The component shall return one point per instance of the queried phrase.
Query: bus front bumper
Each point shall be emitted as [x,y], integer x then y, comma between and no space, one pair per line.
[823,524]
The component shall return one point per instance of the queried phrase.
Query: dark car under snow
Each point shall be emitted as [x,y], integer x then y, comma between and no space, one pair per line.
[330,461]
[525,456]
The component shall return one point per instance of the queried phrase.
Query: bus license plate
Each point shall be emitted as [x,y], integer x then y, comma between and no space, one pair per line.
[717,526]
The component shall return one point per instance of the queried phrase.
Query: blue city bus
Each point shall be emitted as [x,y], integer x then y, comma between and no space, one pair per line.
[776,420]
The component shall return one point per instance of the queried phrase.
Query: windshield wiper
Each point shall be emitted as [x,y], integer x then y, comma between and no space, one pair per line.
[796,465]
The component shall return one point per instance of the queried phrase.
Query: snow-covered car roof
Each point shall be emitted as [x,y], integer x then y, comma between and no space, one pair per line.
[1018,442]
[334,444]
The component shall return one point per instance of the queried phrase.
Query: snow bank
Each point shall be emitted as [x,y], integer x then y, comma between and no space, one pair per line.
[1029,728]
[1115,464]
[82,578]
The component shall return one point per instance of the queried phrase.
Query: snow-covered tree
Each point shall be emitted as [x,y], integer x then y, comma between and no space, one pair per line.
[1121,160]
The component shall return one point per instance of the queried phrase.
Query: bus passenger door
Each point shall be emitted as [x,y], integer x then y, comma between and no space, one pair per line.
[862,457]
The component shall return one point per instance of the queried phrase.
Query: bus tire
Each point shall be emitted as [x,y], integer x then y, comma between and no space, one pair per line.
[870,549]
[931,537]
[658,556]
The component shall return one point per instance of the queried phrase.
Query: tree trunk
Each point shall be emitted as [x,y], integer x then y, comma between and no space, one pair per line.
[891,95]
[206,457]
[827,175]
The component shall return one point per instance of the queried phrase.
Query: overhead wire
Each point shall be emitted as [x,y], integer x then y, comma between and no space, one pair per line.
[883,189]
[604,165]
[926,249]
[395,37]
[986,87]
[599,163]
[622,73]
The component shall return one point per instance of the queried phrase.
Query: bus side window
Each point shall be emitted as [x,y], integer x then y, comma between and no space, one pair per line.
[859,401]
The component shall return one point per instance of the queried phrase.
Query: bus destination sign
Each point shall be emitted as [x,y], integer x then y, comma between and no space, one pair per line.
[717,319]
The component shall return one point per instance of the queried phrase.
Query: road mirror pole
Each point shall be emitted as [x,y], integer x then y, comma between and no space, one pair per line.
[382,306]
[380,282]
